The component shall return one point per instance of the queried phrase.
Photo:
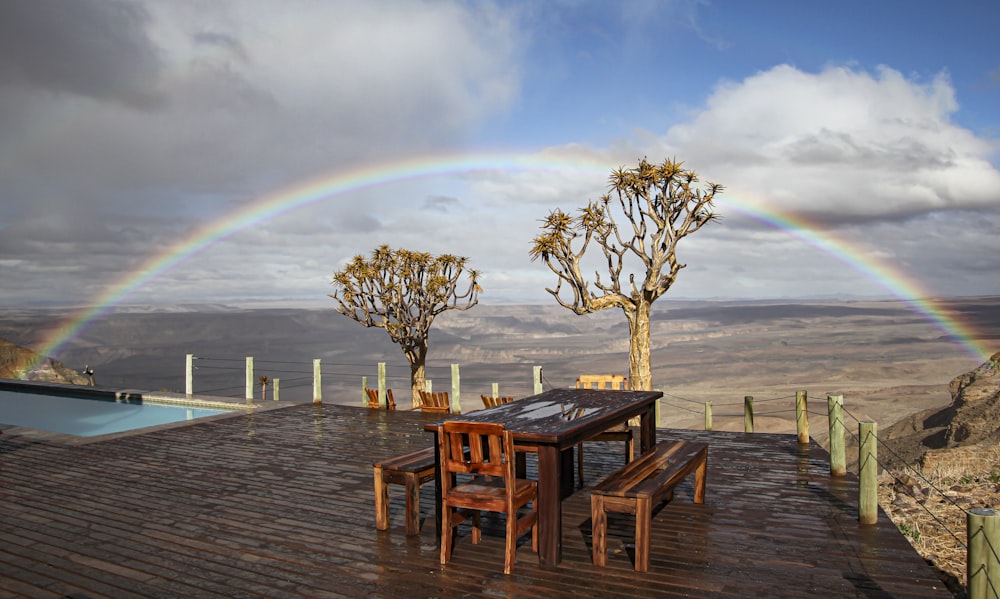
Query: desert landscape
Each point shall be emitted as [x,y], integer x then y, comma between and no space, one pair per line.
[892,364]
[885,358]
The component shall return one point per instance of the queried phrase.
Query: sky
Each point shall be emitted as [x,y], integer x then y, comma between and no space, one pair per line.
[166,153]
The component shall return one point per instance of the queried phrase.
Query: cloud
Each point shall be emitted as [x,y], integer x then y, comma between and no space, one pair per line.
[840,145]
[93,48]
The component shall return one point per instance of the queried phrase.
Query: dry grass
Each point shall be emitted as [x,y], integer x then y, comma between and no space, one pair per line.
[929,507]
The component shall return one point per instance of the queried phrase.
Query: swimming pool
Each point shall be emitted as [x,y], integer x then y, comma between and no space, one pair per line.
[88,413]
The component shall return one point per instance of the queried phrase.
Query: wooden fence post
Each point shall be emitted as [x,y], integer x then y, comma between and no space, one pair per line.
[382,386]
[835,409]
[189,375]
[802,416]
[748,413]
[250,381]
[708,415]
[868,472]
[317,382]
[537,379]
[982,569]
[456,393]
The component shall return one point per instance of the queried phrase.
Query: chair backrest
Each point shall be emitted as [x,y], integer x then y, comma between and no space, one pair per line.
[489,401]
[373,399]
[617,382]
[477,448]
[435,402]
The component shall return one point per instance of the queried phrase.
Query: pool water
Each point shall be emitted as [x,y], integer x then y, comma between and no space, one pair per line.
[88,417]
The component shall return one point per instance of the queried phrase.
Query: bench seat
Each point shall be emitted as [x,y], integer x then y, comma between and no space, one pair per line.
[410,470]
[638,486]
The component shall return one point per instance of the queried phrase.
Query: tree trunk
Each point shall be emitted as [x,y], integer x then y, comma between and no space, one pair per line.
[640,374]
[418,373]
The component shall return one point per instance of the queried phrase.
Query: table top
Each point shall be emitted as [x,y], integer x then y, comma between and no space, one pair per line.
[564,416]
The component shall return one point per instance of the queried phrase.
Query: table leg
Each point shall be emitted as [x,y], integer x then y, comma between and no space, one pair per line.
[647,429]
[549,505]
[437,491]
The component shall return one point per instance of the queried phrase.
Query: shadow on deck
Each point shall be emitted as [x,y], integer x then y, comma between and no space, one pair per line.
[280,504]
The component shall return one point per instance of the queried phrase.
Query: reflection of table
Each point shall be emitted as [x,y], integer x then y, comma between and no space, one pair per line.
[554,422]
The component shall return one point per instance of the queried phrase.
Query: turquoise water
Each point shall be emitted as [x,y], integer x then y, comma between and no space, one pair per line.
[89,417]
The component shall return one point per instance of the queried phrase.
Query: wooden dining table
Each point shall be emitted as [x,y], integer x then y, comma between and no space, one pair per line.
[553,423]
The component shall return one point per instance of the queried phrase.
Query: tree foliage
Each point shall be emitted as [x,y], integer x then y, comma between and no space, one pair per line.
[636,226]
[402,291]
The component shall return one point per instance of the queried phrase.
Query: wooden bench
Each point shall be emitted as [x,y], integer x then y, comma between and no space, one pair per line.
[411,470]
[639,486]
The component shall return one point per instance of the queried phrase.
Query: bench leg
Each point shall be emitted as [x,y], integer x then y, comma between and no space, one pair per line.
[381,501]
[699,481]
[643,516]
[412,504]
[599,520]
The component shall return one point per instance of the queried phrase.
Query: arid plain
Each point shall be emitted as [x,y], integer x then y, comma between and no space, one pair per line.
[887,358]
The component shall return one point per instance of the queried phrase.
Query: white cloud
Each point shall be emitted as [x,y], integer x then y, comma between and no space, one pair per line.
[840,144]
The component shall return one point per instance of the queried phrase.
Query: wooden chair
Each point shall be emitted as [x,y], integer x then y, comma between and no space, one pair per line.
[485,451]
[489,401]
[373,399]
[435,402]
[610,382]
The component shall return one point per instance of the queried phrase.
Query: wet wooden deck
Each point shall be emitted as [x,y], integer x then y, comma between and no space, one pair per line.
[280,504]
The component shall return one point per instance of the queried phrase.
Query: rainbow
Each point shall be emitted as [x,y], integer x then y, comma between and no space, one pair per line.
[331,186]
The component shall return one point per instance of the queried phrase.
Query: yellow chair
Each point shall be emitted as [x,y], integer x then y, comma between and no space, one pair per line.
[622,432]
[435,402]
[489,401]
[373,399]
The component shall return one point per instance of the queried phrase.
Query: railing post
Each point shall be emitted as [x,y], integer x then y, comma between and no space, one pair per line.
[982,569]
[364,392]
[537,379]
[382,386]
[274,389]
[317,382]
[456,393]
[868,472]
[708,415]
[250,383]
[748,413]
[189,375]
[496,389]
[834,410]
[802,416]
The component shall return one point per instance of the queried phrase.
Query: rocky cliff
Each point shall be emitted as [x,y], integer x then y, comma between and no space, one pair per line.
[16,360]
[970,423]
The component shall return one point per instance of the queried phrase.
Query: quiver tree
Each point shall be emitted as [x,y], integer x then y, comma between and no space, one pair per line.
[402,291]
[637,226]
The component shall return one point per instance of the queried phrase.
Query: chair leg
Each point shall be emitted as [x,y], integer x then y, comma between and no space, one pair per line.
[446,533]
[381,501]
[511,549]
[477,528]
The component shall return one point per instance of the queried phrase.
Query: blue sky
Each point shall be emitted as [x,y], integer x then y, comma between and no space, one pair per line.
[126,126]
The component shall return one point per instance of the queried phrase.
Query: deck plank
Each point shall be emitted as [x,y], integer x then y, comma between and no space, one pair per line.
[280,504]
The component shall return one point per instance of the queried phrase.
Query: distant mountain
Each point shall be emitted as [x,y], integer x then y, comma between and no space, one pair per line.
[971,423]
[14,360]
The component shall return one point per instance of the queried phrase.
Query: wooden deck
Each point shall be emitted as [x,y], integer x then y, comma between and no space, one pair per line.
[280,504]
